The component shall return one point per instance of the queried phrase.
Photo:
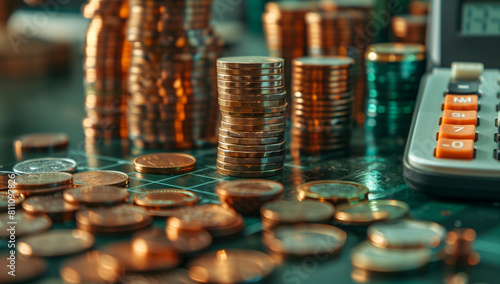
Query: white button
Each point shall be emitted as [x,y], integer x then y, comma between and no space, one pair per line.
[466,70]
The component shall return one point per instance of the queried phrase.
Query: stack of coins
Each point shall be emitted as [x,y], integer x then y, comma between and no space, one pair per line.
[459,248]
[409,28]
[285,31]
[419,7]
[173,102]
[322,105]
[393,73]
[105,72]
[252,101]
[342,33]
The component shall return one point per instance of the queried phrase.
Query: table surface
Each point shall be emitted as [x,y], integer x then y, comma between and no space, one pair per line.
[56,104]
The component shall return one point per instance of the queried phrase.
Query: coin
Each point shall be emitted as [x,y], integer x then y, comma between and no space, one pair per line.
[4,180]
[290,212]
[117,219]
[250,161]
[26,269]
[250,173]
[93,178]
[243,154]
[252,128]
[27,224]
[247,196]
[156,241]
[459,248]
[176,276]
[54,206]
[225,77]
[45,165]
[5,198]
[41,142]
[249,62]
[56,243]
[166,198]
[164,163]
[238,265]
[367,212]
[302,240]
[372,258]
[251,141]
[81,269]
[43,180]
[333,191]
[266,103]
[96,195]
[136,262]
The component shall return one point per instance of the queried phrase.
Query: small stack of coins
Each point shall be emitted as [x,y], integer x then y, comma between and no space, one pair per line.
[409,28]
[322,105]
[105,72]
[459,248]
[342,33]
[393,73]
[252,101]
[173,103]
[285,30]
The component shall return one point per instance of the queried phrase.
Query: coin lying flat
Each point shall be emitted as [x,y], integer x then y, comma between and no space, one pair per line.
[54,206]
[26,269]
[117,219]
[43,180]
[176,276]
[56,243]
[45,165]
[367,212]
[332,191]
[82,269]
[96,195]
[93,178]
[250,62]
[291,212]
[41,142]
[136,262]
[27,224]
[166,199]
[164,163]
[239,266]
[5,197]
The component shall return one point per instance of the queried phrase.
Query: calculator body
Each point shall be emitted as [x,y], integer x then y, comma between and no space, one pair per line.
[477,177]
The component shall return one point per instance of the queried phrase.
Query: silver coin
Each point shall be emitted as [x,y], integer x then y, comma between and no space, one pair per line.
[45,165]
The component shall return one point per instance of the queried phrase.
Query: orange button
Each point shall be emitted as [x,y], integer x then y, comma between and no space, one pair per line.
[459,117]
[456,102]
[457,131]
[455,149]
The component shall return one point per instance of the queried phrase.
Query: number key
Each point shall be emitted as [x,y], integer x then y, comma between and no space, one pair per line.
[455,149]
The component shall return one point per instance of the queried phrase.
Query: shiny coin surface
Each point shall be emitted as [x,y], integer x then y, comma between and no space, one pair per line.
[250,62]
[54,206]
[231,266]
[138,262]
[10,201]
[333,191]
[96,195]
[290,212]
[82,269]
[166,198]
[93,178]
[45,165]
[303,240]
[164,163]
[157,241]
[27,269]
[41,142]
[407,234]
[327,62]
[27,224]
[367,212]
[115,219]
[43,180]
[372,258]
[249,174]
[56,243]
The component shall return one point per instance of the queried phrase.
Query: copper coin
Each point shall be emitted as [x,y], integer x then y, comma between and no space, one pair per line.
[164,163]
[9,201]
[367,212]
[252,148]
[231,266]
[124,217]
[96,195]
[25,269]
[44,180]
[176,276]
[156,241]
[4,180]
[289,212]
[166,198]
[56,243]
[82,269]
[41,142]
[93,178]
[138,262]
[249,167]
[24,224]
[54,206]
[253,121]
[250,174]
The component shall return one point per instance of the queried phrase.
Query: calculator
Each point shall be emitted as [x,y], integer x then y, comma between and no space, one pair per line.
[453,146]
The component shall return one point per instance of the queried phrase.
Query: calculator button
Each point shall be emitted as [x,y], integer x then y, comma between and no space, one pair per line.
[455,149]
[466,71]
[457,131]
[463,88]
[455,102]
[459,117]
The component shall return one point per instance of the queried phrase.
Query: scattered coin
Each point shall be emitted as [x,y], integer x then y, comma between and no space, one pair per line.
[43,181]
[96,195]
[367,212]
[117,219]
[175,276]
[26,269]
[93,178]
[27,224]
[41,142]
[164,199]
[164,163]
[231,266]
[333,191]
[247,196]
[54,206]
[5,197]
[82,269]
[56,243]
[45,165]
[291,212]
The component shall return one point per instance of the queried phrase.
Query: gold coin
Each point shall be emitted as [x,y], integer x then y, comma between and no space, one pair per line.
[164,163]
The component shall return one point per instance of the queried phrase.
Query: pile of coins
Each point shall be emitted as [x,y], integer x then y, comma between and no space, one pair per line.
[342,33]
[409,28]
[393,73]
[322,105]
[252,101]
[173,101]
[105,69]
[285,31]
[333,191]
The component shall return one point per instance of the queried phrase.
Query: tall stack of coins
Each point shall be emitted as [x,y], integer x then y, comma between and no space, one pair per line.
[173,103]
[104,70]
[410,28]
[322,104]
[285,30]
[393,73]
[342,33]
[252,101]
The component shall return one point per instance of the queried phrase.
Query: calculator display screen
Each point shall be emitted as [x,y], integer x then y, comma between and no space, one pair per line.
[481,18]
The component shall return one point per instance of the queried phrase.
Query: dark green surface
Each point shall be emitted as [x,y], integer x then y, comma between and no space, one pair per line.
[57,105]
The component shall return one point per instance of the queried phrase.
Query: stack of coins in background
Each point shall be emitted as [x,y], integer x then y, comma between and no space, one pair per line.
[393,74]
[173,101]
[342,33]
[409,28]
[105,69]
[252,100]
[285,31]
[322,105]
